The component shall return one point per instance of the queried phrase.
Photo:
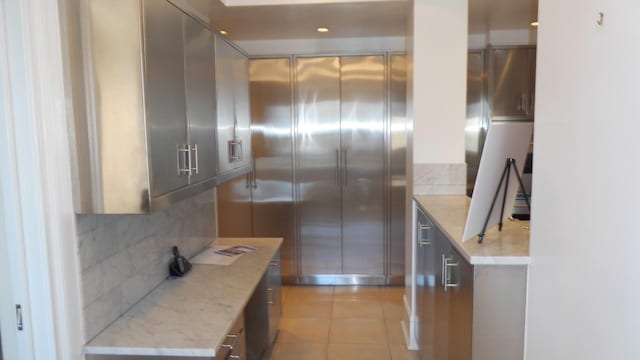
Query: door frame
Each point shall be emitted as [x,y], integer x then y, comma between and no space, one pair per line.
[38,242]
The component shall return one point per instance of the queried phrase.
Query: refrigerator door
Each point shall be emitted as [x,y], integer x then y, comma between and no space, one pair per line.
[271,134]
[362,80]
[397,164]
[317,168]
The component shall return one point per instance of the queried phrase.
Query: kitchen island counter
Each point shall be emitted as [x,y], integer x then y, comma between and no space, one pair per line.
[507,247]
[189,316]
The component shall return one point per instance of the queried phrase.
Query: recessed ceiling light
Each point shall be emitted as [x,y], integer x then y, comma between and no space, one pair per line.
[534,24]
[223,32]
[322,29]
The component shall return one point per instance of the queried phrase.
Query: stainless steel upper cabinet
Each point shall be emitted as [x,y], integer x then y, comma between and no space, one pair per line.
[241,103]
[510,83]
[318,164]
[271,141]
[165,96]
[362,80]
[148,136]
[200,99]
[232,103]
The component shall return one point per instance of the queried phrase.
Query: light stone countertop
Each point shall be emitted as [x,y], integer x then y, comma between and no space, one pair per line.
[507,247]
[189,316]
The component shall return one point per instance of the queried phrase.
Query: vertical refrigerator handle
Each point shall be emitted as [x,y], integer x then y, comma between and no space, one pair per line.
[345,175]
[337,168]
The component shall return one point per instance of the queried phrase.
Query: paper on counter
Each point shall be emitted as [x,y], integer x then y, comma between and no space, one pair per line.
[221,255]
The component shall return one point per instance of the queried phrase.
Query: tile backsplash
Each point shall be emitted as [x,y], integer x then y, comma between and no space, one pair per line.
[439,179]
[123,257]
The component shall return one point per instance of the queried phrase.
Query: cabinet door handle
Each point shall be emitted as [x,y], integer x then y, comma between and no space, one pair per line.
[235,357]
[422,241]
[184,160]
[194,152]
[270,296]
[447,275]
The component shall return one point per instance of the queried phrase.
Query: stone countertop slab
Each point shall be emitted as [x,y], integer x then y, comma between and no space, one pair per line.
[507,247]
[191,315]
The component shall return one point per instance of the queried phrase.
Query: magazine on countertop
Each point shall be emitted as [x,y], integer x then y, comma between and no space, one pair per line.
[221,255]
[235,250]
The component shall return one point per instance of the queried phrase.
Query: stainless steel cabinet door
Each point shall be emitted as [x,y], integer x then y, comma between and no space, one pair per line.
[509,82]
[426,249]
[271,138]
[225,106]
[241,103]
[200,99]
[362,80]
[319,157]
[441,299]
[461,308]
[397,168]
[165,94]
[274,297]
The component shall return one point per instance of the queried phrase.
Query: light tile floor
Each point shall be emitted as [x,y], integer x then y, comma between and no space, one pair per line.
[340,323]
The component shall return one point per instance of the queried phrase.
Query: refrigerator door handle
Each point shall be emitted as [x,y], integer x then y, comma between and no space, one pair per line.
[338,168]
[345,175]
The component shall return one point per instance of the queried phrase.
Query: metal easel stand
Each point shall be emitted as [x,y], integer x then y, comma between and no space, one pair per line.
[511,162]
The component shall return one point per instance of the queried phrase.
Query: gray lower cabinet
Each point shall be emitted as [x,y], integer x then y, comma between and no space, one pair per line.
[465,312]
[148,137]
[264,310]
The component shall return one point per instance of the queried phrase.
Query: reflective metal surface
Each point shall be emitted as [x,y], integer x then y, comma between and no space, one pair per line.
[318,137]
[477,121]
[242,107]
[147,139]
[271,138]
[461,304]
[510,82]
[234,207]
[200,98]
[397,163]
[362,133]
[165,94]
[225,98]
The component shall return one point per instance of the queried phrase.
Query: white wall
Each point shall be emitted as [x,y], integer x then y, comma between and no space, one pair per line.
[440,78]
[585,241]
[436,110]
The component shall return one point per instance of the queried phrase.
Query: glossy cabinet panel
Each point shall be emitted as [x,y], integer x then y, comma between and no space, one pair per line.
[225,102]
[200,99]
[510,82]
[234,207]
[232,104]
[148,138]
[165,95]
[362,133]
[318,168]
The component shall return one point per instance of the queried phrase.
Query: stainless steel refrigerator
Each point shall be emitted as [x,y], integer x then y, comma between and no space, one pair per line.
[321,132]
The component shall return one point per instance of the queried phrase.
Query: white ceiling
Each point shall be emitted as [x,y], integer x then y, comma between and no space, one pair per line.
[345,20]
[357,18]
[487,15]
